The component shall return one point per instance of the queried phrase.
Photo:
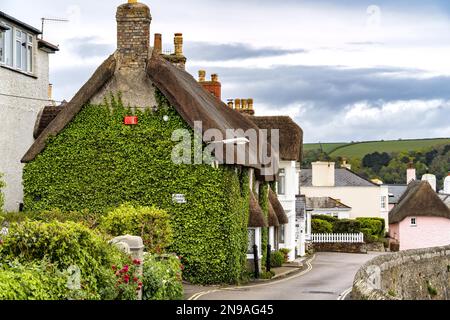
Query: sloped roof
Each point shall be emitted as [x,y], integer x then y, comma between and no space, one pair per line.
[273,219]
[45,117]
[291,135]
[186,95]
[395,192]
[325,203]
[343,178]
[256,218]
[278,208]
[445,198]
[419,200]
[20,23]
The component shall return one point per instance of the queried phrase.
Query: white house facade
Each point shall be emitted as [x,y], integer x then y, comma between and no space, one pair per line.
[24,91]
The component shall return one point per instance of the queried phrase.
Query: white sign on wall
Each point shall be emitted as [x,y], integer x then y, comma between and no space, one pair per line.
[179,198]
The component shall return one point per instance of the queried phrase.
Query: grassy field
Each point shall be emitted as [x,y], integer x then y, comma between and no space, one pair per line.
[359,150]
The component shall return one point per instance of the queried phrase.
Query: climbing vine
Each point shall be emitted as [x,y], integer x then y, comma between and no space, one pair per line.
[97,163]
[264,204]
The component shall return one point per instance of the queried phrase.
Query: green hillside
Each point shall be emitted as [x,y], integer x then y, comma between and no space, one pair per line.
[360,149]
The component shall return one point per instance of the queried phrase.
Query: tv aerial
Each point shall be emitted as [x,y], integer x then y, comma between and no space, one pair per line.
[52,20]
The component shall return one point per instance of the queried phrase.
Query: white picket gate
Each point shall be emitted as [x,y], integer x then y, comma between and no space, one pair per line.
[337,238]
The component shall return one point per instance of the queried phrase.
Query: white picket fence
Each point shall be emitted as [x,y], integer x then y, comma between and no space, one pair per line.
[337,238]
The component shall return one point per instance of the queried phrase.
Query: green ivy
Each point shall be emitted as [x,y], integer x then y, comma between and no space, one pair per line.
[98,164]
[2,197]
[264,204]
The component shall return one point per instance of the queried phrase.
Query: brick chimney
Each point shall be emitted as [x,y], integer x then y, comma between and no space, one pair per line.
[157,47]
[214,86]
[177,58]
[133,34]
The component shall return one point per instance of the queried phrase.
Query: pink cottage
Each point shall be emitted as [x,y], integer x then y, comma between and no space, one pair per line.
[421,219]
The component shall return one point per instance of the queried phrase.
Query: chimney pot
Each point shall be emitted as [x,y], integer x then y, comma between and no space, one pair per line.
[202,76]
[250,104]
[215,77]
[237,104]
[230,103]
[158,43]
[244,104]
[178,41]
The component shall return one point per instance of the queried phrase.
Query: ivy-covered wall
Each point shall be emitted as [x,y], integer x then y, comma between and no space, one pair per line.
[97,163]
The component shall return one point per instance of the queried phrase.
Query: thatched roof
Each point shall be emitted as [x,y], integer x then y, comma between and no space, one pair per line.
[91,87]
[419,200]
[44,118]
[291,135]
[188,97]
[273,219]
[278,208]
[256,218]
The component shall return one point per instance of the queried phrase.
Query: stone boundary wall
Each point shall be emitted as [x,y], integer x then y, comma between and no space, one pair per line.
[422,274]
[340,247]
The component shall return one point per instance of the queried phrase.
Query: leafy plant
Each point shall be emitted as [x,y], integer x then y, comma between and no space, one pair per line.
[2,197]
[152,224]
[325,217]
[431,290]
[162,278]
[285,252]
[277,259]
[321,226]
[66,245]
[347,226]
[267,275]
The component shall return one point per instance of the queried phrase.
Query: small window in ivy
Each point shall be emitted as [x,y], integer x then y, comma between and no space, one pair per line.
[251,240]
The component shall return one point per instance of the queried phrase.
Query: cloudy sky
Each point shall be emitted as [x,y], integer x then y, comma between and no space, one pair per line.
[347,70]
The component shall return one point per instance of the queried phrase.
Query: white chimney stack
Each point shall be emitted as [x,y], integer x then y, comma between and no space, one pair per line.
[410,173]
[431,179]
[323,174]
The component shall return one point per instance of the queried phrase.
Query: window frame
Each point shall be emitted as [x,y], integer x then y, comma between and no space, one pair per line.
[7,59]
[413,222]
[281,183]
[18,49]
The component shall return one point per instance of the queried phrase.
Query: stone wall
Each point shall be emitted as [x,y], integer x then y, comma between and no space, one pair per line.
[340,247]
[422,274]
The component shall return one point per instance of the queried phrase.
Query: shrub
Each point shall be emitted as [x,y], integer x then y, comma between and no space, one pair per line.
[66,245]
[276,259]
[325,218]
[2,199]
[162,278]
[152,224]
[347,226]
[267,275]
[285,252]
[373,226]
[321,226]
[32,281]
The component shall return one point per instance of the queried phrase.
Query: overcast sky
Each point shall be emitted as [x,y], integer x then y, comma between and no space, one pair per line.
[347,70]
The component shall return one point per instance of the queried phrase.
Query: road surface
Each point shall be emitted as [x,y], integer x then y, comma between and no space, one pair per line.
[329,277]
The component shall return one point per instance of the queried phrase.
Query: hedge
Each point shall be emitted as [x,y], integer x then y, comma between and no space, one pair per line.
[276,259]
[97,163]
[162,278]
[325,218]
[372,227]
[347,226]
[321,226]
[68,245]
[150,223]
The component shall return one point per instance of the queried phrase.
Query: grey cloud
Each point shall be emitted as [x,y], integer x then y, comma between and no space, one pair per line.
[89,47]
[232,51]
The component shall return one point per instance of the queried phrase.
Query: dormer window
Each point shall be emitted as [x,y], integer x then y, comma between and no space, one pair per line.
[16,48]
[24,51]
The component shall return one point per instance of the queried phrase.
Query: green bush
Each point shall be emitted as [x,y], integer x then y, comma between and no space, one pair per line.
[285,252]
[267,275]
[347,226]
[321,226]
[276,259]
[374,226]
[32,281]
[66,245]
[102,164]
[325,217]
[151,224]
[162,278]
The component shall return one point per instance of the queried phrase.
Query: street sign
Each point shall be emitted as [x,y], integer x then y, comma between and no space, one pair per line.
[179,198]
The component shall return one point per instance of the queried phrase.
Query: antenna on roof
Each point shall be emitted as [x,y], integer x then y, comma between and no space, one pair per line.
[50,20]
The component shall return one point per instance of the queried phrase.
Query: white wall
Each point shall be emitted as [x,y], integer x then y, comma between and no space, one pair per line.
[364,201]
[18,117]
[288,202]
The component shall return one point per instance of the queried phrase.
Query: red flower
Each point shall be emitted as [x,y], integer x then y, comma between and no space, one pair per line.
[126,269]
[135,279]
[137,262]
[114,268]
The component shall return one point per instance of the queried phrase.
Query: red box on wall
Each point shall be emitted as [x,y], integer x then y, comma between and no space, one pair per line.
[130,120]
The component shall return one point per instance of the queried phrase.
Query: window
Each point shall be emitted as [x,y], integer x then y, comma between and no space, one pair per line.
[6,47]
[383,203]
[413,222]
[281,233]
[23,59]
[251,240]
[282,182]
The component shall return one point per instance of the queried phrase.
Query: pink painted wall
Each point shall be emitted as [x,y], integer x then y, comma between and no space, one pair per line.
[429,232]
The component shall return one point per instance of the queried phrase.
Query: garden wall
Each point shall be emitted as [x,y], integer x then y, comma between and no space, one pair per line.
[340,247]
[422,274]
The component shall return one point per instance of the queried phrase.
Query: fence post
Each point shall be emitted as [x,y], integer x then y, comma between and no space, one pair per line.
[256,261]
[269,253]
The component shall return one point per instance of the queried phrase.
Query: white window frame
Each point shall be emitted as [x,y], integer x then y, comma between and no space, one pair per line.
[258,243]
[282,234]
[413,222]
[383,202]
[281,184]
[8,45]
[24,63]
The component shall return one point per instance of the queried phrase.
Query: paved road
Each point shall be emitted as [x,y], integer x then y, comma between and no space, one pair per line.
[331,275]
